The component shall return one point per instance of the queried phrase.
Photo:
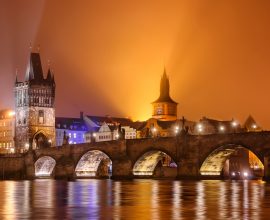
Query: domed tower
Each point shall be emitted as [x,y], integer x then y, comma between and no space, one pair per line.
[34,108]
[164,108]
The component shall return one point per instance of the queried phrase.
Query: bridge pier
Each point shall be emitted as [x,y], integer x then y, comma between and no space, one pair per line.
[122,169]
[30,165]
[188,169]
[266,168]
[64,169]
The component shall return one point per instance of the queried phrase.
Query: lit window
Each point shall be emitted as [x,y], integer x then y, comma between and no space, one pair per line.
[74,135]
[69,134]
[41,117]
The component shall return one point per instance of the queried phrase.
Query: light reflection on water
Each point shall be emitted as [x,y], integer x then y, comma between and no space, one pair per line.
[138,199]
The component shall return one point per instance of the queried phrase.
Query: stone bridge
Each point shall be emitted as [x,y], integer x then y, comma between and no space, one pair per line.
[193,156]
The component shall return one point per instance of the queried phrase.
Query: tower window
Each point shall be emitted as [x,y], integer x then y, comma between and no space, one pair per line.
[41,117]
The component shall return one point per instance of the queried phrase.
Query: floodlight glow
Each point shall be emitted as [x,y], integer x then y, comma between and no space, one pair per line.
[221,128]
[234,123]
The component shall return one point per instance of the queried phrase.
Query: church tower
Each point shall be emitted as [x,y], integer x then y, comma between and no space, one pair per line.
[34,108]
[164,108]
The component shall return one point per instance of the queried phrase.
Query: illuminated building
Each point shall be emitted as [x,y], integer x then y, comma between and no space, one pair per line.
[103,133]
[7,126]
[34,108]
[251,125]
[74,128]
[106,128]
[164,108]
[212,126]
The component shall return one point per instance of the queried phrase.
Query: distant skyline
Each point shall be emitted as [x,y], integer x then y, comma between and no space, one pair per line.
[108,56]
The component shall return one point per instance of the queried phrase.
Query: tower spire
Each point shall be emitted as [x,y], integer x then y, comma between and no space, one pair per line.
[34,70]
[164,108]
[164,85]
[16,76]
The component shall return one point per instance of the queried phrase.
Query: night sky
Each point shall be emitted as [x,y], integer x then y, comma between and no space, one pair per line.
[108,56]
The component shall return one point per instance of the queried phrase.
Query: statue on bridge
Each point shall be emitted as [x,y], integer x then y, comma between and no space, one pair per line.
[65,139]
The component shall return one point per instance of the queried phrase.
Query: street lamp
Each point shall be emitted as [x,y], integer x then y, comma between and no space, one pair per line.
[200,128]
[222,128]
[254,126]
[234,123]
[11,113]
[176,129]
[154,130]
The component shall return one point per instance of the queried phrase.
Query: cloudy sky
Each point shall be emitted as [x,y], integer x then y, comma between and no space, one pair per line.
[108,56]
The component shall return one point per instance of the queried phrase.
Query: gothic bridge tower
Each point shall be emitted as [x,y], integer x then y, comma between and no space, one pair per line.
[35,108]
[164,108]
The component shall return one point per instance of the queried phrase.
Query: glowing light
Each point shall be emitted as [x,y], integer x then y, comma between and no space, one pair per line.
[254,126]
[222,128]
[234,123]
[117,136]
[94,134]
[210,173]
[245,174]
[200,128]
[50,141]
[154,129]
[26,146]
[11,113]
[233,173]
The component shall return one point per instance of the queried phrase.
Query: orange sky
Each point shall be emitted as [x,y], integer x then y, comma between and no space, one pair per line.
[108,56]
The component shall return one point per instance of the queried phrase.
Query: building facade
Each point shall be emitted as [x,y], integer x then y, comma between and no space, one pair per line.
[73,128]
[34,108]
[109,128]
[7,131]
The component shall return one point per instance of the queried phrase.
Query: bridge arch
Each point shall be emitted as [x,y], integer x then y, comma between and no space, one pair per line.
[94,163]
[213,164]
[146,164]
[44,166]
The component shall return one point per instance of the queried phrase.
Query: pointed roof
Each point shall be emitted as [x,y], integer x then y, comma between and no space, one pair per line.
[49,75]
[34,70]
[250,123]
[164,90]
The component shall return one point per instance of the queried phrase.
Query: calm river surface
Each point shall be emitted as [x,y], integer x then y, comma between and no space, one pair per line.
[137,199]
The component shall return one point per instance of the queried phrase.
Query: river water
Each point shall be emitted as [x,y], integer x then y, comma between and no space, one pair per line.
[137,199]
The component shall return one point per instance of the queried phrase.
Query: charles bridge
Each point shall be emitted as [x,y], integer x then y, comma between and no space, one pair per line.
[195,156]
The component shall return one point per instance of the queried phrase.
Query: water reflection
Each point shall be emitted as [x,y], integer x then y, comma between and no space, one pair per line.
[138,199]
[176,209]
